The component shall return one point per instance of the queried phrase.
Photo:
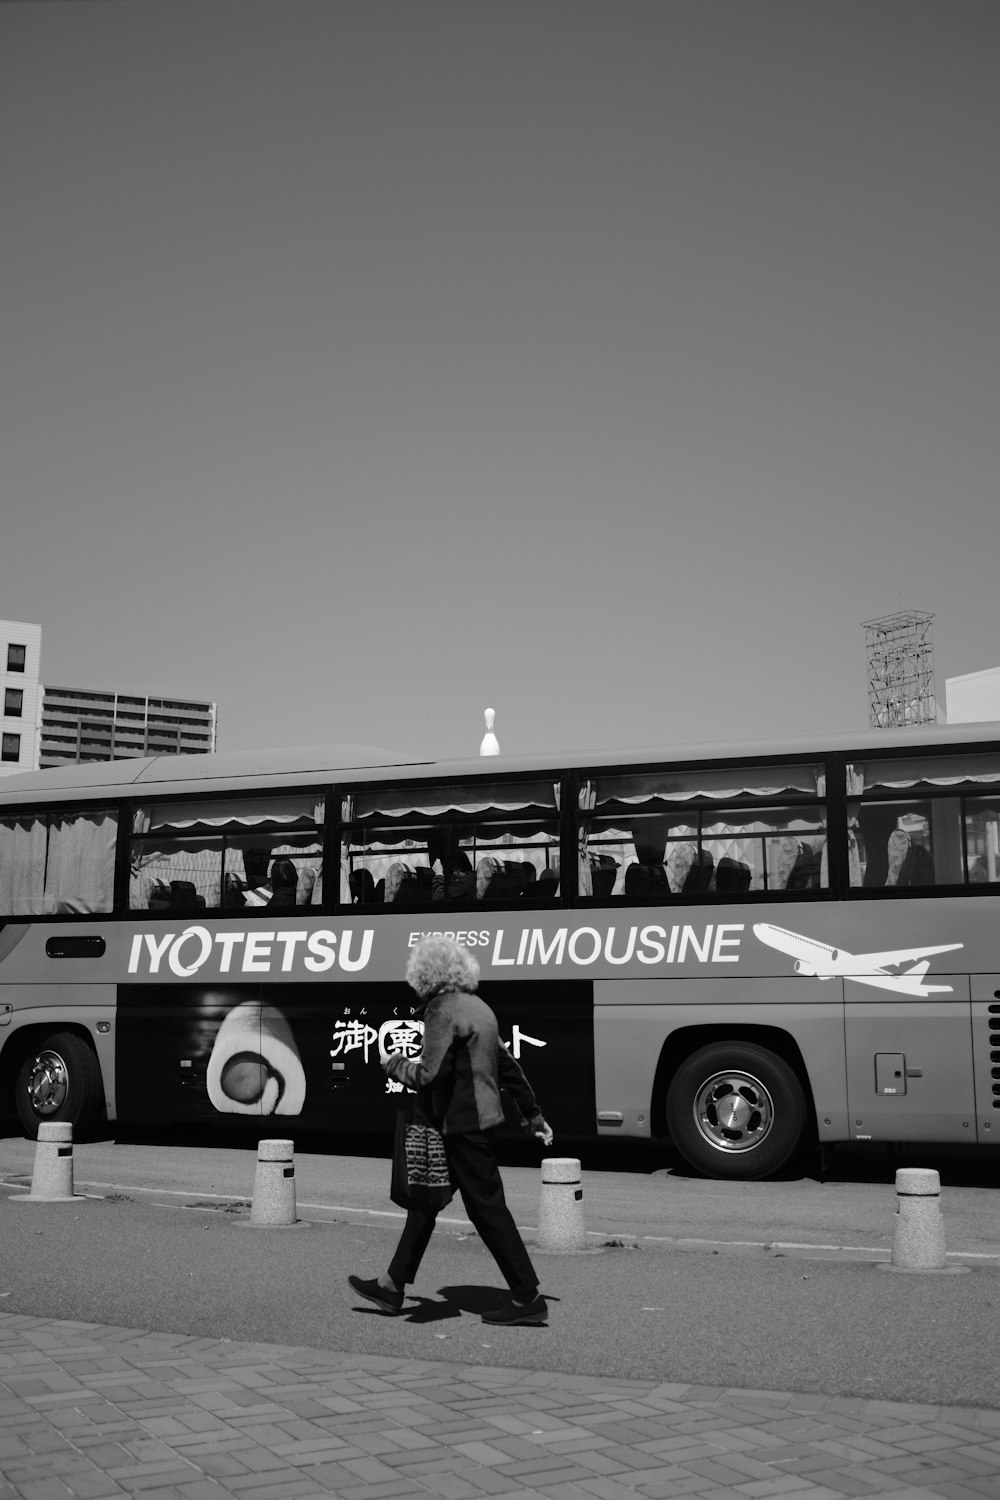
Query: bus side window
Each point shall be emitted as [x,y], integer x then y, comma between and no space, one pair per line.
[57,861]
[228,853]
[458,844]
[698,832]
[982,840]
[925,819]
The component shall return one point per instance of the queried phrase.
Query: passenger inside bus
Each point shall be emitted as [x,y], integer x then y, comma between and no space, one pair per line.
[284,882]
[453,878]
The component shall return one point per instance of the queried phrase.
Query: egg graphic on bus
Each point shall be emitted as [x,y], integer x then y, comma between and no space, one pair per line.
[255,1068]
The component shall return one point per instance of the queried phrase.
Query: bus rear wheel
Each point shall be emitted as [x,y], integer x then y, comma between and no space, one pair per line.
[59,1080]
[736,1110]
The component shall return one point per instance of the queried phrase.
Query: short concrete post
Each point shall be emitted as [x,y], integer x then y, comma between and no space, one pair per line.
[52,1177]
[560,1207]
[273,1205]
[918,1233]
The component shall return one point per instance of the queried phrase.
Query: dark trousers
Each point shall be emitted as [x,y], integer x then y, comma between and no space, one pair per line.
[474,1171]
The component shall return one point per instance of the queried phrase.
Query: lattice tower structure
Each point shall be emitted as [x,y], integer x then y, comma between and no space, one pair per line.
[900,670]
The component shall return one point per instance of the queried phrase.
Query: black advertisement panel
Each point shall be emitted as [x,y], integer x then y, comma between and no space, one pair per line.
[307,1055]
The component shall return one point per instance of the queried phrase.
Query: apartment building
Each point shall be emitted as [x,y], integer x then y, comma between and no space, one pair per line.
[20,692]
[86,724]
[973,698]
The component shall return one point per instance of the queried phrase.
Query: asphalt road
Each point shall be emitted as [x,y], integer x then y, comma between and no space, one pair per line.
[730,1313]
[640,1192]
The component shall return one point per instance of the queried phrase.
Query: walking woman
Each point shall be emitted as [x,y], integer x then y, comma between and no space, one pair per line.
[458,1077]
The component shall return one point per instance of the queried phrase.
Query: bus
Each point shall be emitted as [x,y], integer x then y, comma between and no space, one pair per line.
[746,950]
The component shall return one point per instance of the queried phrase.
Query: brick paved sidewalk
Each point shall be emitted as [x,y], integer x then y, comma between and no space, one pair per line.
[96,1412]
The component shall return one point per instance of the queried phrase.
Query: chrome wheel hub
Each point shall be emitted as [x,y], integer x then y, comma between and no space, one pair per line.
[733,1111]
[48,1084]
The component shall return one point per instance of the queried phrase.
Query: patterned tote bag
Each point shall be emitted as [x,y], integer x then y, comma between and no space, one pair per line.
[420,1177]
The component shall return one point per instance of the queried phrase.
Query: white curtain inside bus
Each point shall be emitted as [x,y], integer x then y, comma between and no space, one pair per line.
[57,862]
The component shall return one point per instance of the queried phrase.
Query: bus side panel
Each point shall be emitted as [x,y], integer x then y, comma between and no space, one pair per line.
[40,1010]
[635,1020]
[309,1053]
[909,1065]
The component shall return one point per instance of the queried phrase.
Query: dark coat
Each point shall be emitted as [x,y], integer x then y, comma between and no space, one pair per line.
[463,1066]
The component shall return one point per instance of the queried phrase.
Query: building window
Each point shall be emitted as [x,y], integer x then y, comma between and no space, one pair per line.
[13,702]
[15,658]
[11,747]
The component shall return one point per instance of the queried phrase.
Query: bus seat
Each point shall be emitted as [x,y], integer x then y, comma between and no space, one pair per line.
[699,877]
[638,879]
[362,887]
[732,874]
[489,878]
[183,895]
[603,874]
[517,877]
[540,885]
[305,885]
[918,867]
[804,874]
[400,882]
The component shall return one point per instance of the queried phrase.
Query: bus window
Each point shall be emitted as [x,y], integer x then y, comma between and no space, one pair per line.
[982,840]
[920,822]
[236,853]
[58,861]
[664,834]
[459,845]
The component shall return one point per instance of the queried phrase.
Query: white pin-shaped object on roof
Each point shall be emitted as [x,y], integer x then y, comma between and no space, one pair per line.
[490,744]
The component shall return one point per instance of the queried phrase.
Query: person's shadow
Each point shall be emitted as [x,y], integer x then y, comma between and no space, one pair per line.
[454,1301]
[451,1302]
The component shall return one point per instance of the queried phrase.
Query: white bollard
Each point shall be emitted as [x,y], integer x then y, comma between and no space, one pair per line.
[918,1233]
[560,1206]
[273,1205]
[52,1178]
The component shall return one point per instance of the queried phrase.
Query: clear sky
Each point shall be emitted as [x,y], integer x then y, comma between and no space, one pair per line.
[369,362]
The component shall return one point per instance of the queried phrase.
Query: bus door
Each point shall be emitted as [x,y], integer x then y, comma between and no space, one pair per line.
[909,1066]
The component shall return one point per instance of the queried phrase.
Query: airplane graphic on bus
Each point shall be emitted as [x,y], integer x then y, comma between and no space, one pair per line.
[824,962]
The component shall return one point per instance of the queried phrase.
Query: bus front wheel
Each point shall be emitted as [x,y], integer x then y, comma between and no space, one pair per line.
[59,1080]
[736,1110]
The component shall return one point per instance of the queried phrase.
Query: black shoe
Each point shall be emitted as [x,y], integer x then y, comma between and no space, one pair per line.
[390,1303]
[533,1312]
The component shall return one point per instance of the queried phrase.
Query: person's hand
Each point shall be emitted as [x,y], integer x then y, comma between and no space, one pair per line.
[543,1132]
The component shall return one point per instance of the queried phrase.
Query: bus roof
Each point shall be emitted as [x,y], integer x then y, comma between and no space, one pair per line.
[239,767]
[304,766]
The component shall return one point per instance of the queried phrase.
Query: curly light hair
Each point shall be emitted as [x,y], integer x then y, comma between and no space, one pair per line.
[437,963]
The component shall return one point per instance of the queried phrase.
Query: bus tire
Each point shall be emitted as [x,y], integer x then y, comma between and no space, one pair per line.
[736,1110]
[59,1080]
